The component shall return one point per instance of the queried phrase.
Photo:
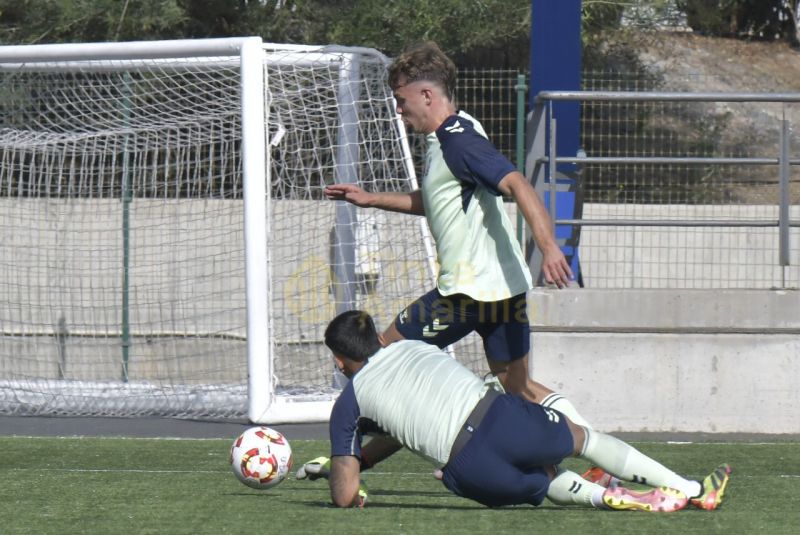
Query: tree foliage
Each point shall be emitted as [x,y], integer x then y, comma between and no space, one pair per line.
[487,32]
[760,19]
[747,19]
[57,21]
[462,27]
[459,26]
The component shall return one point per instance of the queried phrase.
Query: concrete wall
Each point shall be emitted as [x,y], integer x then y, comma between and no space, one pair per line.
[61,287]
[712,361]
[687,257]
[630,359]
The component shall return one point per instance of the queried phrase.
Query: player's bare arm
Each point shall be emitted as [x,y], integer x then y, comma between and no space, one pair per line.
[555,267]
[344,481]
[378,449]
[406,203]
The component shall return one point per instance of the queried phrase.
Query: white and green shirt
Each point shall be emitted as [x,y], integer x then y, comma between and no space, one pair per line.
[478,254]
[411,391]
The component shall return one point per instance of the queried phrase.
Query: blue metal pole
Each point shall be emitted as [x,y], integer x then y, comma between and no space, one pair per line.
[556,57]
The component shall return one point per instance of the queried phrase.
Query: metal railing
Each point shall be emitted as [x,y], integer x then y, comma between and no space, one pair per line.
[541,168]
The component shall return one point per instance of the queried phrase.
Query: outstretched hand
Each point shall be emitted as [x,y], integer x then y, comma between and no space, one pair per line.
[350,193]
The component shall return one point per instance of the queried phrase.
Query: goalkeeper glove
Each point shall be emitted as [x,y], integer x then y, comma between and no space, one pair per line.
[363,494]
[315,469]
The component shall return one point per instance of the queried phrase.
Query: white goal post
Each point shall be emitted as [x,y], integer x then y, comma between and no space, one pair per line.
[165,246]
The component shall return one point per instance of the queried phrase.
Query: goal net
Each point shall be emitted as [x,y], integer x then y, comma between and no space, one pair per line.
[166,246]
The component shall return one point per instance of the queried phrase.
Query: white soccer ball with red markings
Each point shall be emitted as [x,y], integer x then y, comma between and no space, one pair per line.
[261,457]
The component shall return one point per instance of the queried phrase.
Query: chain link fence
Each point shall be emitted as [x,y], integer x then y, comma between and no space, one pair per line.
[678,255]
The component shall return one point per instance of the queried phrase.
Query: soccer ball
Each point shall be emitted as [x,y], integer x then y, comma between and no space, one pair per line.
[261,457]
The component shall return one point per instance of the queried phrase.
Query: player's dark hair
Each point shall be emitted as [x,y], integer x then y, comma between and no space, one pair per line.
[352,334]
[424,61]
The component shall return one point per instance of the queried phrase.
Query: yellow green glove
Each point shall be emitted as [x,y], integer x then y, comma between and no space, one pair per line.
[363,494]
[315,469]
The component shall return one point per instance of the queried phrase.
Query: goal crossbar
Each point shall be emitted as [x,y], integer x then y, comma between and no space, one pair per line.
[196,164]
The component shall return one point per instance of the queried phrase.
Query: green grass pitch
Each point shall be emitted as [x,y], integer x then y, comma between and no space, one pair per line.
[115,485]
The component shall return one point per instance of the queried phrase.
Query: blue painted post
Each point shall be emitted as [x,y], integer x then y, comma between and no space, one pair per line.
[556,62]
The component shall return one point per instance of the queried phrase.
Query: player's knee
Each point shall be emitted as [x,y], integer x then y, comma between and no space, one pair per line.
[519,385]
[510,383]
[551,471]
[515,368]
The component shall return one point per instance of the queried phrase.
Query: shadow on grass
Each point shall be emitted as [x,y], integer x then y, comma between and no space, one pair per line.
[380,505]
[434,494]
[457,503]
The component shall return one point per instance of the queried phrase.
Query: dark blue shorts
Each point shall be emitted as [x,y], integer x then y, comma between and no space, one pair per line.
[503,463]
[440,320]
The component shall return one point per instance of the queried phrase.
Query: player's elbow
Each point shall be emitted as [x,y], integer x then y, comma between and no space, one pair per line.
[344,481]
[344,491]
[513,184]
[345,499]
[339,502]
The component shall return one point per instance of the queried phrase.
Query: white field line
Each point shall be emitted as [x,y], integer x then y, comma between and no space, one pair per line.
[668,442]
[119,471]
[142,471]
[89,437]
[371,473]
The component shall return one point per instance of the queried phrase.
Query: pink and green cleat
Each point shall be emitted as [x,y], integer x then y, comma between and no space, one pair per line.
[713,488]
[658,500]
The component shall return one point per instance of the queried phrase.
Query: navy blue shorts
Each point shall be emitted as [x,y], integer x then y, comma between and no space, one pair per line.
[503,463]
[443,320]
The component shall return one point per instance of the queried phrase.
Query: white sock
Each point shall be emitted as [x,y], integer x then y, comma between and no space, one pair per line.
[628,463]
[568,488]
[565,407]
[691,488]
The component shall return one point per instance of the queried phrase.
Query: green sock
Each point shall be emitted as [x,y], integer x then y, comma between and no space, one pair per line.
[568,488]
[628,463]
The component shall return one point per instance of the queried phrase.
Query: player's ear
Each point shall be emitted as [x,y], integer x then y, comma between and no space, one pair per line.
[427,94]
[339,362]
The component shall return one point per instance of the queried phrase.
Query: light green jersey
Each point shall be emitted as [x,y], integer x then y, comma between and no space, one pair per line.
[399,389]
[478,253]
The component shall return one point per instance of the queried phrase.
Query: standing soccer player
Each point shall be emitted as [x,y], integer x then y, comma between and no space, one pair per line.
[483,277]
